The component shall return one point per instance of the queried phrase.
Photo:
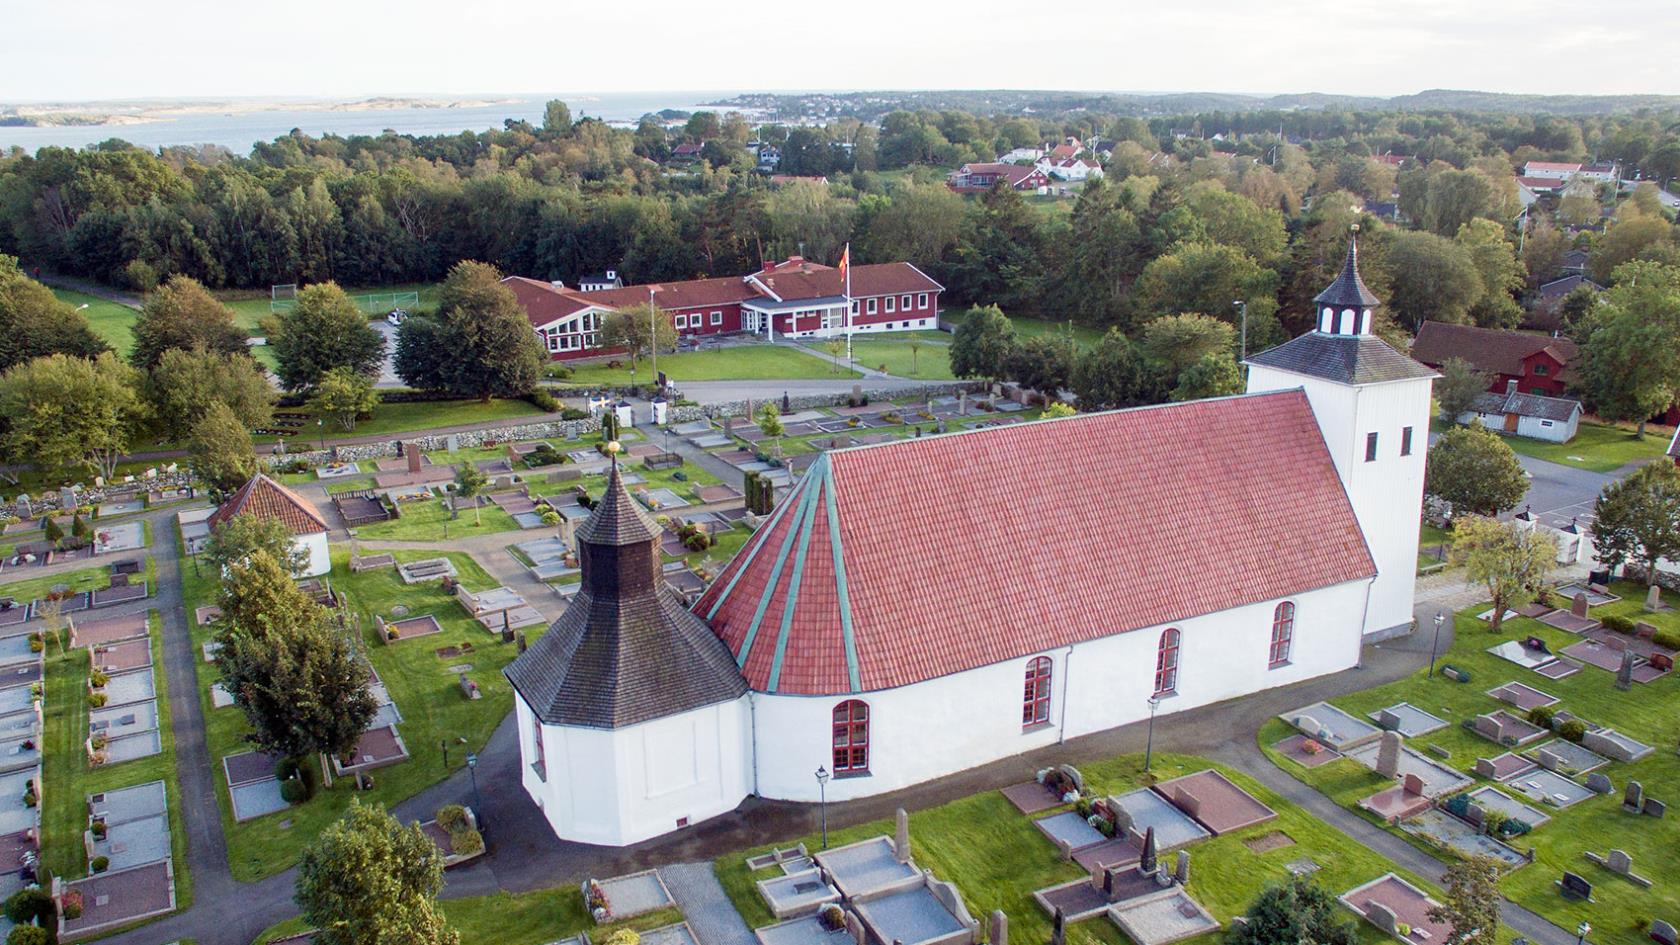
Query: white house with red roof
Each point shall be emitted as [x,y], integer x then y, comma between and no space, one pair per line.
[264,498]
[1552,170]
[794,298]
[918,608]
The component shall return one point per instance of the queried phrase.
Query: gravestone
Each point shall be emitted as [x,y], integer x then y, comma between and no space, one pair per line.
[1624,675]
[1653,598]
[1108,882]
[1633,798]
[1388,719]
[1489,727]
[1412,784]
[1549,759]
[67,498]
[1599,783]
[1578,606]
[1065,848]
[414,457]
[453,442]
[1058,928]
[901,837]
[854,928]
[1148,863]
[939,427]
[1619,862]
[1388,754]
[962,404]
[1575,886]
[1382,917]
[24,509]
[1654,808]
[99,482]
[1484,768]
[1000,928]
[1663,932]
[1181,871]
[1123,822]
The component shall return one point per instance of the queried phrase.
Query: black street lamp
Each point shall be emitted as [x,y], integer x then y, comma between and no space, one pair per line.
[472,772]
[1440,618]
[822,798]
[1149,746]
[1582,931]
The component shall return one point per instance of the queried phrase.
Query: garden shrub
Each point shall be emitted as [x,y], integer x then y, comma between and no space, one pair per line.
[99,864]
[28,935]
[1572,730]
[452,817]
[286,768]
[98,828]
[1618,623]
[30,904]
[1541,715]
[467,842]
[1512,827]
[96,699]
[1458,805]
[99,677]
[294,791]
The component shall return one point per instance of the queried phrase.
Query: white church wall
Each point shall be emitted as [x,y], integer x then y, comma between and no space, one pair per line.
[617,787]
[949,724]
[318,560]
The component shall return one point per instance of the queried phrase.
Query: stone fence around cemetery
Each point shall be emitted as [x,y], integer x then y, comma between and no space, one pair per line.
[471,439]
[742,408]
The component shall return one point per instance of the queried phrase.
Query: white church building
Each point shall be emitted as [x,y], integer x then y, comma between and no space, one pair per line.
[917,608]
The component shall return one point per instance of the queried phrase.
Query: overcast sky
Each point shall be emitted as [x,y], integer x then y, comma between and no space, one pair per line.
[104,49]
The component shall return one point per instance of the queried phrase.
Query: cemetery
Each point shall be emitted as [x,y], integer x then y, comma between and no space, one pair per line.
[1552,751]
[1398,908]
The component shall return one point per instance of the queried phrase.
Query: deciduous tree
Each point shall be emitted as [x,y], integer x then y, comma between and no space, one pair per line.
[342,396]
[1632,357]
[480,343]
[640,330]
[1213,375]
[1508,558]
[1041,363]
[323,330]
[181,313]
[1112,374]
[1295,912]
[1458,387]
[1471,901]
[34,323]
[469,482]
[184,385]
[1432,278]
[368,880]
[65,413]
[242,536]
[981,344]
[1178,341]
[1638,518]
[220,451]
[1475,471]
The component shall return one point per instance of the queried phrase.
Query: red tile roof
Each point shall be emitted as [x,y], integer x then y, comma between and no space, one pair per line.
[965,550]
[823,282]
[543,302]
[1489,349]
[690,293]
[265,498]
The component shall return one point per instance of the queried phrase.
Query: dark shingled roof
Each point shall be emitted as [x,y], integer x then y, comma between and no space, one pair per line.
[1348,359]
[1348,291]
[1527,405]
[626,650]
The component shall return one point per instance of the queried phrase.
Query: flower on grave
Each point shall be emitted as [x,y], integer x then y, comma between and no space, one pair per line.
[1311,747]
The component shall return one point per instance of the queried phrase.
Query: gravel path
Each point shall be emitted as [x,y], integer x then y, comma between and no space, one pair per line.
[705,905]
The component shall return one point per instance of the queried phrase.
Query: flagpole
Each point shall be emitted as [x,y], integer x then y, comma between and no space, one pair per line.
[847,256]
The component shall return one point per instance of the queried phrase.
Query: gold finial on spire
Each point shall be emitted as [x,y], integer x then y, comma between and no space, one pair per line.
[613,449]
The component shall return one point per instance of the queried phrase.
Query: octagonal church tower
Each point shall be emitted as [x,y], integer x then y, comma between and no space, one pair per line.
[1373,405]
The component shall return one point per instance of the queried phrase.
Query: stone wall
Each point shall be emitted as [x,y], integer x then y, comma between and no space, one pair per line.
[741,408]
[547,430]
[1667,580]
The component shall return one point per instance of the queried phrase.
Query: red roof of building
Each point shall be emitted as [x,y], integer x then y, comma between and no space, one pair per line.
[1541,183]
[1489,349]
[891,564]
[544,302]
[689,293]
[265,498]
[821,282]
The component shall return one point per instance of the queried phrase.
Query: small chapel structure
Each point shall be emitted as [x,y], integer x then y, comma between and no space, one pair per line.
[917,608]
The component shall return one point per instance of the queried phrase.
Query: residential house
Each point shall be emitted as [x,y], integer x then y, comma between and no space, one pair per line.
[1554,419]
[687,152]
[1076,169]
[1601,172]
[796,298]
[1069,148]
[600,281]
[1018,155]
[981,177]
[1539,184]
[1575,261]
[1540,364]
[1545,313]
[1554,170]
[263,498]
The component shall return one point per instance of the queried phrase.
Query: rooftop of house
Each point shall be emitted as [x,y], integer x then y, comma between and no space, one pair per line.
[264,498]
[1541,407]
[1489,349]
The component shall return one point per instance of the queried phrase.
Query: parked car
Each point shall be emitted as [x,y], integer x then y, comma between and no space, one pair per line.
[396,316]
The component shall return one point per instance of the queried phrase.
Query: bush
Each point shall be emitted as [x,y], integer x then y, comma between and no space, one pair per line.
[543,400]
[29,935]
[573,413]
[99,677]
[294,791]
[467,842]
[1541,715]
[30,904]
[833,917]
[96,699]
[624,937]
[1573,730]
[99,864]
[452,817]
[98,829]
[1669,639]
[1618,623]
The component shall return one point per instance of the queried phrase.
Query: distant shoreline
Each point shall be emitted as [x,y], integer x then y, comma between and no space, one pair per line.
[93,114]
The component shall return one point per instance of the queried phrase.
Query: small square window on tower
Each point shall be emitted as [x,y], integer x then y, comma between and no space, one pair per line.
[1370,447]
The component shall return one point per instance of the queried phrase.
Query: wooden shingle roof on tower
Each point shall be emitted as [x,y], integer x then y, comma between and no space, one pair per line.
[1349,290]
[265,498]
[626,650]
[888,565]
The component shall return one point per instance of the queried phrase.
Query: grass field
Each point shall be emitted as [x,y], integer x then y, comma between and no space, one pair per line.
[744,363]
[529,918]
[414,415]
[1037,327]
[1649,713]
[420,683]
[1598,447]
[892,353]
[997,857]
[110,320]
[426,521]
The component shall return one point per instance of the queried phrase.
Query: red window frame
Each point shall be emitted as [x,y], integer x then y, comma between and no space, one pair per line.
[1283,634]
[850,737]
[1035,701]
[1166,662]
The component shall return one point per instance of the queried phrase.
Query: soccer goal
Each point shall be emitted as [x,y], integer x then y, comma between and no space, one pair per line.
[379,303]
[281,298]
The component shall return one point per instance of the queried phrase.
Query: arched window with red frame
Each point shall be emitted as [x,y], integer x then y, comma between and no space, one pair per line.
[851,737]
[1035,704]
[1166,662]
[1283,633]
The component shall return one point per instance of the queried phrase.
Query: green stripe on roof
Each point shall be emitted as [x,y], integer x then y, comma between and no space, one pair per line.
[840,576]
[807,520]
[747,561]
[775,575]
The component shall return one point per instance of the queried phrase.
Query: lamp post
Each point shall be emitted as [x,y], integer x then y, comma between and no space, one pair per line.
[1149,746]
[653,336]
[321,429]
[1242,307]
[472,772]
[1440,618]
[1582,931]
[822,800]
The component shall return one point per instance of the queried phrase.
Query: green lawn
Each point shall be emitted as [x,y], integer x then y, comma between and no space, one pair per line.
[529,918]
[1035,327]
[997,857]
[743,363]
[83,579]
[68,778]
[420,683]
[1649,713]
[1597,447]
[1430,541]
[111,321]
[406,417]
[893,355]
[427,521]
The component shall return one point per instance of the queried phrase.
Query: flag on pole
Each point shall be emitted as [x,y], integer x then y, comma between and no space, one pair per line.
[846,269]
